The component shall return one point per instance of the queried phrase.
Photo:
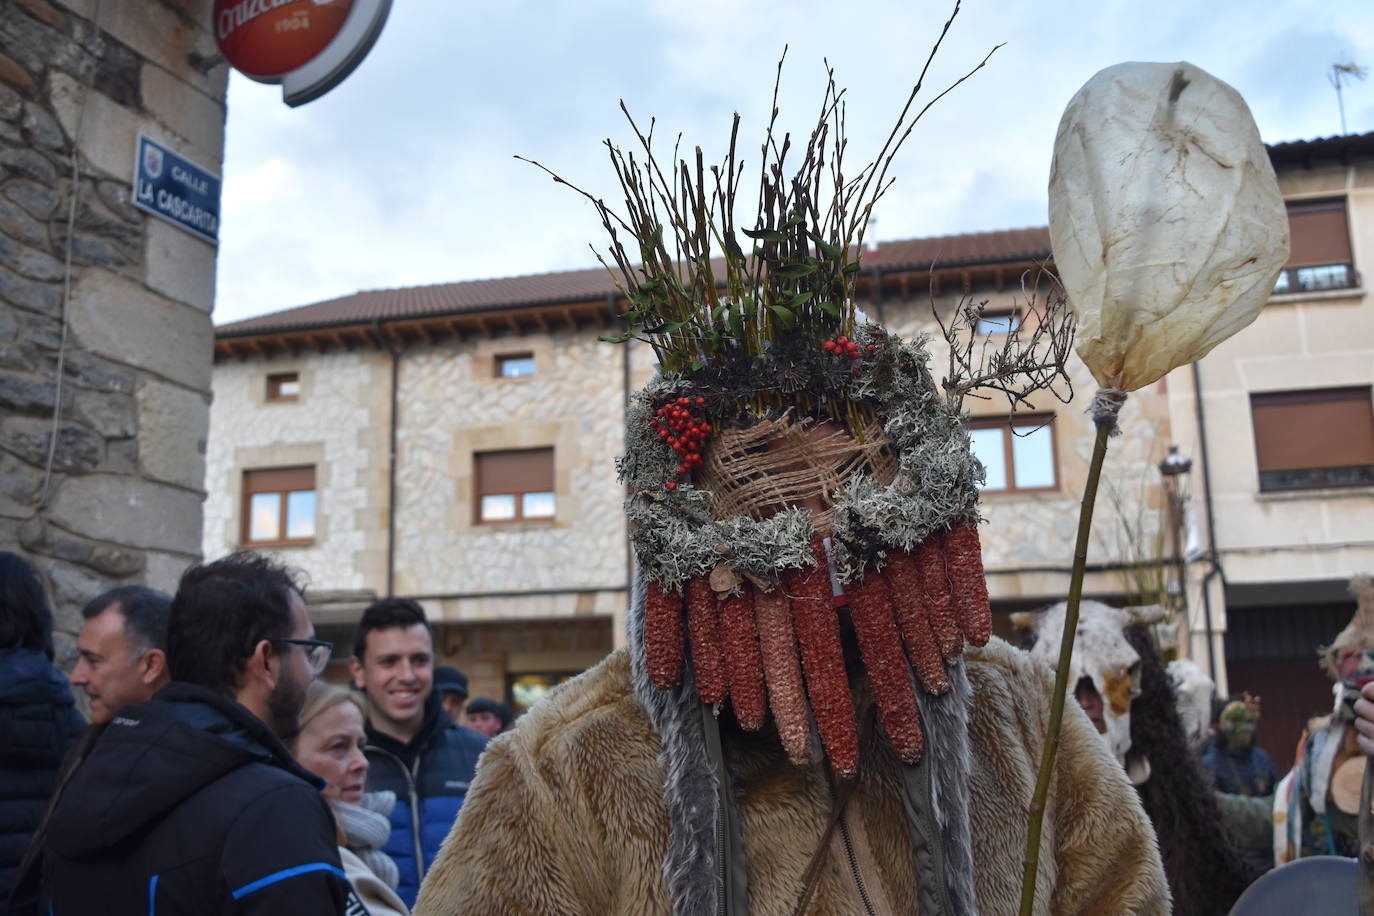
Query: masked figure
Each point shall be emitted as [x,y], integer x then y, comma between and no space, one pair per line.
[1316,805]
[1130,696]
[1237,764]
[811,715]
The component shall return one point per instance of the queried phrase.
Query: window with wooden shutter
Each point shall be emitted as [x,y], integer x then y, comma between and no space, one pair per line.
[514,486]
[1320,255]
[1322,437]
[279,506]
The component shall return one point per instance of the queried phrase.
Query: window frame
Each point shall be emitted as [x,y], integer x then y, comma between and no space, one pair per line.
[1289,277]
[500,360]
[519,518]
[1325,477]
[1013,313]
[1008,424]
[249,490]
[274,384]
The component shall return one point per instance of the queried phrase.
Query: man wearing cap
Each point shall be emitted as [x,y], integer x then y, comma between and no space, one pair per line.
[452,687]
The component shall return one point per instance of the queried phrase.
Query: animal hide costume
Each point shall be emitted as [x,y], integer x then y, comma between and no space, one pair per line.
[1115,653]
[795,726]
[1316,805]
[569,813]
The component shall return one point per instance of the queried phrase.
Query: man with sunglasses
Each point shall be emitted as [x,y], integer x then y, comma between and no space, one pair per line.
[190,803]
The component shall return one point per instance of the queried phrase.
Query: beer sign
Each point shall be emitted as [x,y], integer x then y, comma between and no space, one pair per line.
[308,46]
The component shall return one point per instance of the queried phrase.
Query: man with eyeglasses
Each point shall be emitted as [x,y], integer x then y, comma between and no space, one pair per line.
[190,803]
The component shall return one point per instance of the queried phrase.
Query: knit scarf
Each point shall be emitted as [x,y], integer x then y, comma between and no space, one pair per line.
[367,827]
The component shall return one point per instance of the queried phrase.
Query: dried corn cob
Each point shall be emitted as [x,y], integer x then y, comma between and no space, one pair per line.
[964,555]
[663,636]
[818,635]
[939,603]
[910,607]
[870,607]
[703,628]
[786,696]
[743,664]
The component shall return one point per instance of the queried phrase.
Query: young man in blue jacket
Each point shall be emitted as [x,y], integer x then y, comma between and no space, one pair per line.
[414,749]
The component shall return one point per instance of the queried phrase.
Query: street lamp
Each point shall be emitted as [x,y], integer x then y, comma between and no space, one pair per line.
[1175,468]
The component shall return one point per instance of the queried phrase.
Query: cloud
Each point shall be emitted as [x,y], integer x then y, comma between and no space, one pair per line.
[404,174]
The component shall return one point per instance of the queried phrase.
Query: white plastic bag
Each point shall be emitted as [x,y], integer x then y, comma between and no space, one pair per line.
[1166,220]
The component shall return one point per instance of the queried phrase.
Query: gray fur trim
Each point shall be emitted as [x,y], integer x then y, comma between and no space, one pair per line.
[690,787]
[946,718]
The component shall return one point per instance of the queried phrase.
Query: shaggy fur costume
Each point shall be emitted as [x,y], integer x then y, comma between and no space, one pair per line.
[1206,871]
[568,813]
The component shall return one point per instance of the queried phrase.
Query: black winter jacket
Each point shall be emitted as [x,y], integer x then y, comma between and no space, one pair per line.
[37,724]
[430,776]
[188,804]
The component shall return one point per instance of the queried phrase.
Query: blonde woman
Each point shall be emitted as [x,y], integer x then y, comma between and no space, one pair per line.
[330,745]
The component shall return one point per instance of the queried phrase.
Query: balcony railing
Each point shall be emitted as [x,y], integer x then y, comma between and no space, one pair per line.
[1315,279]
[1360,475]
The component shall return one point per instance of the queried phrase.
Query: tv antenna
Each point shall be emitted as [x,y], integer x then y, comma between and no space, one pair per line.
[1340,75]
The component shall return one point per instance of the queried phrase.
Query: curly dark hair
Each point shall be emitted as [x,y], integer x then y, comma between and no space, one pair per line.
[385,614]
[25,617]
[220,613]
[1206,871]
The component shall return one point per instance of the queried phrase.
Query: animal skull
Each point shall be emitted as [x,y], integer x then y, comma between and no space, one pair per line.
[1100,654]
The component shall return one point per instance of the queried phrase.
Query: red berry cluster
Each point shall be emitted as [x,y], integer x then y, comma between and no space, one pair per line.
[842,346]
[676,424]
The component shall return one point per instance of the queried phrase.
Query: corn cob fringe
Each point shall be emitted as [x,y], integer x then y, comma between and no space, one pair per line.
[703,625]
[743,663]
[939,602]
[663,637]
[827,685]
[782,670]
[965,558]
[870,607]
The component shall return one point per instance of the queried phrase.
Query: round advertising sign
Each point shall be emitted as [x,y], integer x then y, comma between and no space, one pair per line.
[267,39]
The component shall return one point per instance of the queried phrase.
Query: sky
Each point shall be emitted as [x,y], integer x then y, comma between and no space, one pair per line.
[405,175]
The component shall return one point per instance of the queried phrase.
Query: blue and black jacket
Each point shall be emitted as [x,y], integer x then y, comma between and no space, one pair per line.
[188,804]
[37,724]
[430,775]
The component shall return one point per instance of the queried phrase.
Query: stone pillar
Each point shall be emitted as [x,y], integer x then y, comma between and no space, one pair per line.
[111,355]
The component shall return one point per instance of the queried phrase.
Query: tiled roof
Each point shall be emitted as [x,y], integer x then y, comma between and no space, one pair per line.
[594,283]
[1343,148]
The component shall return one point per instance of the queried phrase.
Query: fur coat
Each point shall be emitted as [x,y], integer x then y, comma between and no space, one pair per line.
[567,812]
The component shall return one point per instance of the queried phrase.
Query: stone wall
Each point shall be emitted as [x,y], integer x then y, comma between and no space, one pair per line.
[339,425]
[111,358]
[453,405]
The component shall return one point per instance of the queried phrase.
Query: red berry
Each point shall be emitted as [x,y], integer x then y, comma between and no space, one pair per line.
[841,341]
[682,401]
[700,401]
[672,484]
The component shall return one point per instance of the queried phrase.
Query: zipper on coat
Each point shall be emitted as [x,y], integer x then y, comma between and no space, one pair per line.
[411,781]
[722,874]
[854,867]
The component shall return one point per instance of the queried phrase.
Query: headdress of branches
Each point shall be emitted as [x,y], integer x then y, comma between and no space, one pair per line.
[701,287]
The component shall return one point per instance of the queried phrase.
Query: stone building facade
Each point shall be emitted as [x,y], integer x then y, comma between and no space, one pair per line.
[105,330]
[521,600]
[400,396]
